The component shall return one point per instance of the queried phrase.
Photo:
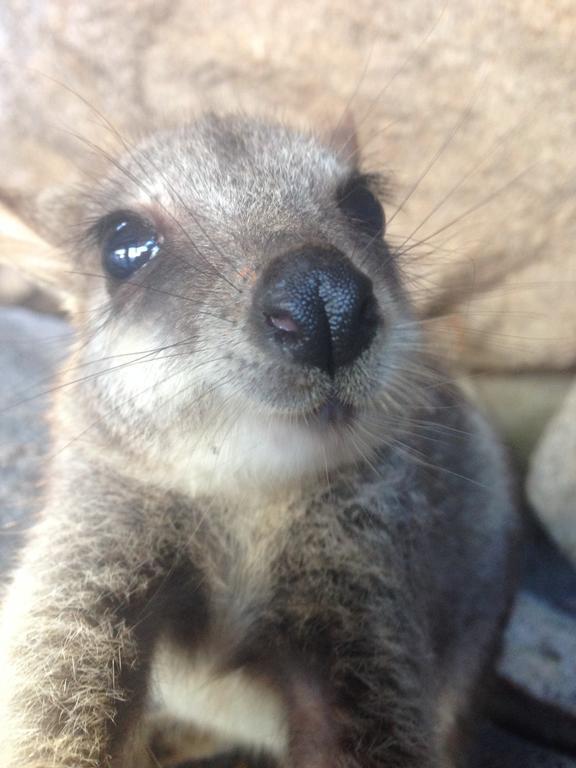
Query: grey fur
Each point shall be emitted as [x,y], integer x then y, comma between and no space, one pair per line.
[363,572]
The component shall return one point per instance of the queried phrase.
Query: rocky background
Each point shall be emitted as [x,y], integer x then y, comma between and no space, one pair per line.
[470,109]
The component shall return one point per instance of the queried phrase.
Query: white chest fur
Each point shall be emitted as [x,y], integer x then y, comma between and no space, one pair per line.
[238,709]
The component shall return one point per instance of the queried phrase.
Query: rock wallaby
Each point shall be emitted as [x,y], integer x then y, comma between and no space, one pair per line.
[271,520]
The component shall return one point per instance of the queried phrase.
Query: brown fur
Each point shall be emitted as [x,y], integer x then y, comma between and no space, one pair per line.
[201,519]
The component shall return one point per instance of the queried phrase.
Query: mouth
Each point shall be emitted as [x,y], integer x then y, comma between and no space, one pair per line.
[333,412]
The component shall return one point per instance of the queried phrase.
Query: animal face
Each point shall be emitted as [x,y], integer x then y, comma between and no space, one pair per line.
[239,309]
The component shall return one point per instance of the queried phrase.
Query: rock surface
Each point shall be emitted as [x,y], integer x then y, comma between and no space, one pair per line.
[31,345]
[16,290]
[519,405]
[552,479]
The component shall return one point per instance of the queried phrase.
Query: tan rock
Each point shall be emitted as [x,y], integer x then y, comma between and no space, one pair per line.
[519,405]
[16,289]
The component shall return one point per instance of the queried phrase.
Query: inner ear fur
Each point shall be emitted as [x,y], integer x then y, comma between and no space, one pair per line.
[27,245]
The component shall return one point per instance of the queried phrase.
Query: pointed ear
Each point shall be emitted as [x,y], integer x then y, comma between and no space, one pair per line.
[25,245]
[343,138]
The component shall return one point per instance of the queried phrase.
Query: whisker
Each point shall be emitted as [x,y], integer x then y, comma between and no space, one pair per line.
[116,164]
[106,122]
[152,289]
[437,155]
[400,69]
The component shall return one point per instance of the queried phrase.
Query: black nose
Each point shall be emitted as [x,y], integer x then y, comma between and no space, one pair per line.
[317,308]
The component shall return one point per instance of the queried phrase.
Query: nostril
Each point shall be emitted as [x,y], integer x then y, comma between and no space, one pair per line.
[283,322]
[317,308]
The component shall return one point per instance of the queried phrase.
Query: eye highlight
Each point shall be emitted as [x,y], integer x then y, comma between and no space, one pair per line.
[361,206]
[127,242]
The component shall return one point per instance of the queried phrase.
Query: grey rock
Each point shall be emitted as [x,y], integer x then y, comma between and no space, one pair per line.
[552,477]
[540,652]
[536,691]
[31,348]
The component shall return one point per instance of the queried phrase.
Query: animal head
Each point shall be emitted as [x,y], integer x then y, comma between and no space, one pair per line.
[241,319]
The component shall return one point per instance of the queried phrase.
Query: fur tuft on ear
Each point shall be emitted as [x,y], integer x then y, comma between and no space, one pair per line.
[25,247]
[343,138]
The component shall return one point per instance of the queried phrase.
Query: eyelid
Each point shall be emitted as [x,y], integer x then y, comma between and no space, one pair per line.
[101,228]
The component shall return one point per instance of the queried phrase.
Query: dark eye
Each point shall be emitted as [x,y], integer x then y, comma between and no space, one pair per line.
[362,207]
[127,242]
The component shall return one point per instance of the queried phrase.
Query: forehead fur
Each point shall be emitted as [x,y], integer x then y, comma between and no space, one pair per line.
[222,165]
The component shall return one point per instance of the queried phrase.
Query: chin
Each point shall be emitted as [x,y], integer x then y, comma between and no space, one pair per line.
[269,452]
[277,451]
